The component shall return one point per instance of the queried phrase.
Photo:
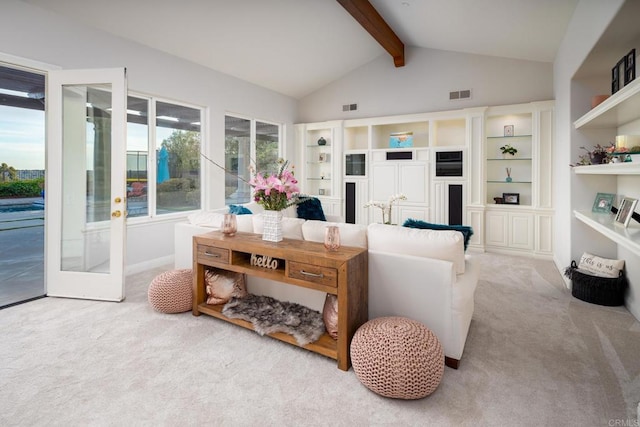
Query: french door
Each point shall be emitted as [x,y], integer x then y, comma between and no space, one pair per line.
[86,184]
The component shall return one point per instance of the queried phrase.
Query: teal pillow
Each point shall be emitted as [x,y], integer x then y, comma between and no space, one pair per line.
[311,208]
[466,231]
[239,210]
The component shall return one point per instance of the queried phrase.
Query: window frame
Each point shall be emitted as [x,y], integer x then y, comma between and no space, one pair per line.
[152,215]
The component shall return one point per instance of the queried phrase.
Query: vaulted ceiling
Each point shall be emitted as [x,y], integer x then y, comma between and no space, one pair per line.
[295,47]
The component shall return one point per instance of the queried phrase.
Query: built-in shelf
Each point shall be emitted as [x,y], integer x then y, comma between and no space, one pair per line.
[508,137]
[509,182]
[511,159]
[619,109]
[629,168]
[604,224]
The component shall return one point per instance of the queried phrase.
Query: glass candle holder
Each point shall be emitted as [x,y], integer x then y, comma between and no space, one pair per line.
[332,238]
[229,225]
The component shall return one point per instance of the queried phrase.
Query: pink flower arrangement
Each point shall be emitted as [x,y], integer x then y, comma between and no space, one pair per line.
[276,191]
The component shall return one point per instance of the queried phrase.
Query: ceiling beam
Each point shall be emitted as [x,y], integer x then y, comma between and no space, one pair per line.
[370,19]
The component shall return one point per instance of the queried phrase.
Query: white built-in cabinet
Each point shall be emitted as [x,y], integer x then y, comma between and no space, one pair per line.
[524,180]
[364,167]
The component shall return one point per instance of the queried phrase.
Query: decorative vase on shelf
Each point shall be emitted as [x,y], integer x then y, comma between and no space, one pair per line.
[272,226]
[508,179]
[508,175]
[322,141]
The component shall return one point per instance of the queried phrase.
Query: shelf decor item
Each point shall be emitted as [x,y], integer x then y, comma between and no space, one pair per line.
[508,151]
[508,179]
[322,141]
[625,211]
[508,130]
[275,193]
[511,198]
[401,139]
[603,203]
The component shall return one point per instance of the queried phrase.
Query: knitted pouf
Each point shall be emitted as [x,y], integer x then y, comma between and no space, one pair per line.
[397,357]
[171,291]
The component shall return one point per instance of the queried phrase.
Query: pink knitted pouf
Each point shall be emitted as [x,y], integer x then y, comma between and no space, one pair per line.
[171,291]
[397,357]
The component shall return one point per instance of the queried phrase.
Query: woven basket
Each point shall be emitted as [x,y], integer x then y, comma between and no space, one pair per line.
[595,289]
[397,357]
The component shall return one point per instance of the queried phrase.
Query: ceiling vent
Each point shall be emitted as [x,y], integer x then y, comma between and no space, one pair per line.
[349,107]
[460,94]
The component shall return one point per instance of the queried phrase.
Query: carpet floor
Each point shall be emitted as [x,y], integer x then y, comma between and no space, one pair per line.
[535,356]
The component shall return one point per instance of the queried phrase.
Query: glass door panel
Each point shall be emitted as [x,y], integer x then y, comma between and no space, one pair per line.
[87,185]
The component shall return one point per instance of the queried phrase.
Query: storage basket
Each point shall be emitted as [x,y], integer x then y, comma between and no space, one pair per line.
[595,289]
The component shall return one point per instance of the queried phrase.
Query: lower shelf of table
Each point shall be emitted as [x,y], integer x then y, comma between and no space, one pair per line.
[325,345]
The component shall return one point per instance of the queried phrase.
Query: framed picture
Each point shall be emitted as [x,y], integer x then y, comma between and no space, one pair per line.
[508,130]
[617,75]
[625,211]
[401,140]
[630,67]
[511,198]
[603,203]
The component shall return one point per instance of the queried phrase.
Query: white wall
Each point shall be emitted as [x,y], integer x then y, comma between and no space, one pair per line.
[29,32]
[424,83]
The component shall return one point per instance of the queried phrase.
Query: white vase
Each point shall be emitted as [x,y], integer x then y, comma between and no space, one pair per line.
[272,226]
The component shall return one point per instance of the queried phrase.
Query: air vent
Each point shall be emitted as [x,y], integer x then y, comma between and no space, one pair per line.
[349,107]
[460,94]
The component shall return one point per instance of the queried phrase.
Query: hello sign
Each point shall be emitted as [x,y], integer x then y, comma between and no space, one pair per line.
[264,261]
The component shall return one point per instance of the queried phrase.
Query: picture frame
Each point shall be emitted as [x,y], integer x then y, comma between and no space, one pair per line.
[510,198]
[603,203]
[617,74]
[625,211]
[401,139]
[508,130]
[630,67]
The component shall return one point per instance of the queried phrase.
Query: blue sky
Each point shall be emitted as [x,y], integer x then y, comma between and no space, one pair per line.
[22,137]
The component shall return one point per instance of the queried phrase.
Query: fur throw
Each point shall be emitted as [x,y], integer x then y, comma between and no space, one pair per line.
[270,315]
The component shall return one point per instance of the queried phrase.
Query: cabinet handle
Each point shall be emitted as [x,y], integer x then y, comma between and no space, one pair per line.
[306,273]
[210,254]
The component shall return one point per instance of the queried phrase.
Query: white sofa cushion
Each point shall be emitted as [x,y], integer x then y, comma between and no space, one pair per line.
[447,245]
[206,219]
[291,227]
[350,234]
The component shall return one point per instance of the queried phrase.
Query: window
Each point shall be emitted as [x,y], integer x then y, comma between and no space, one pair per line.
[175,145]
[240,153]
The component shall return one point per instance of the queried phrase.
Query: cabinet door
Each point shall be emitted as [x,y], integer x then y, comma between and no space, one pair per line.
[497,228]
[384,181]
[413,182]
[521,231]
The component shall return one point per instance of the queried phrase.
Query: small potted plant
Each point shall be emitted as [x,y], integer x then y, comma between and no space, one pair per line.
[600,154]
[508,151]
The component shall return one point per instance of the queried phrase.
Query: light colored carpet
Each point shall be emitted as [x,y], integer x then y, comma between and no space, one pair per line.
[534,356]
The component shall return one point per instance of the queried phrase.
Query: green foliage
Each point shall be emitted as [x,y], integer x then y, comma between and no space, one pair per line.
[177,184]
[26,188]
[7,173]
[184,152]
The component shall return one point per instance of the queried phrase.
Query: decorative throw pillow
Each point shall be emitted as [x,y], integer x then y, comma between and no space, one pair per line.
[222,285]
[311,209]
[330,315]
[239,210]
[602,267]
[466,231]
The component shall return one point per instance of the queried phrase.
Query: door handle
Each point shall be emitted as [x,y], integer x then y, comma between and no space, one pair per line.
[116,214]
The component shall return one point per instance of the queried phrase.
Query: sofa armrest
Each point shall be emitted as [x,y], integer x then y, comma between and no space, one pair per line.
[183,242]
[422,289]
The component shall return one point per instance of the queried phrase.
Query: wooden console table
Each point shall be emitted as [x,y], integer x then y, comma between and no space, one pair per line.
[301,263]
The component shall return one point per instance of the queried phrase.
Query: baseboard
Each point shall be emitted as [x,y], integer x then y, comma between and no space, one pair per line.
[148,265]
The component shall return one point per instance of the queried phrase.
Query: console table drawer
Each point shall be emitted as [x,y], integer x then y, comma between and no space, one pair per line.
[313,273]
[208,254]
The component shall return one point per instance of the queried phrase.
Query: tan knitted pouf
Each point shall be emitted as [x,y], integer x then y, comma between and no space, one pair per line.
[397,357]
[171,291]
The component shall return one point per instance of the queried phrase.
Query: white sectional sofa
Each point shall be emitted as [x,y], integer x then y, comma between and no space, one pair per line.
[421,274]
